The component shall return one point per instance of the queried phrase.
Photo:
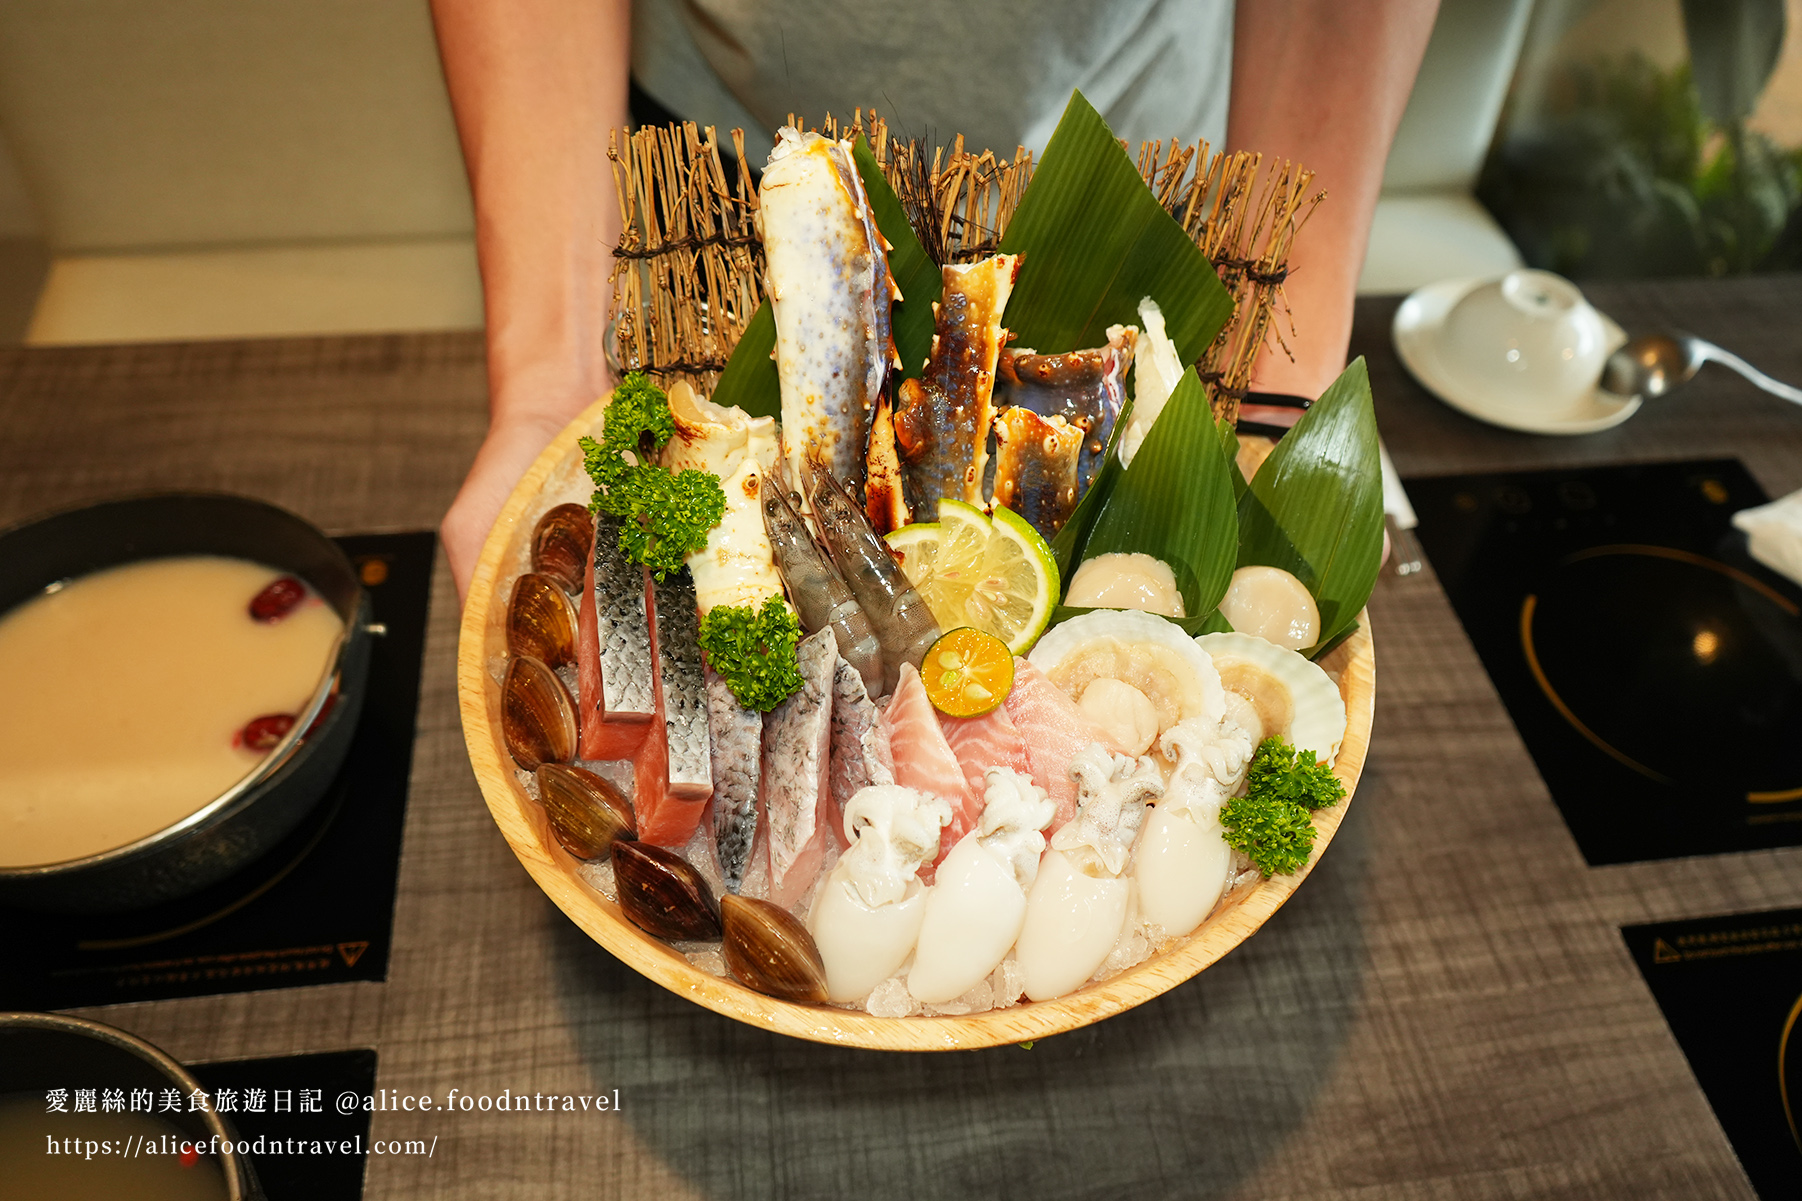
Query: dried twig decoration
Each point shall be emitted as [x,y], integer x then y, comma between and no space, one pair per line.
[688,271]
[688,239]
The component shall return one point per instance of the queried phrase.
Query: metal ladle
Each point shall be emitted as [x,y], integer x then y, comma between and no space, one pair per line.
[1653,365]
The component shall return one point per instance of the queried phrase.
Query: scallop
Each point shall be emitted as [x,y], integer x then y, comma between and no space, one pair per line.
[1272,604]
[1125,581]
[1141,650]
[1292,697]
[863,945]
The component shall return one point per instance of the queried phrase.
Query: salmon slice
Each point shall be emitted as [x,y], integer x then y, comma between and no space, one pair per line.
[672,771]
[1054,729]
[983,742]
[613,651]
[924,760]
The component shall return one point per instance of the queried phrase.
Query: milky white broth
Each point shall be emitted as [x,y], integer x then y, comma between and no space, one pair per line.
[121,693]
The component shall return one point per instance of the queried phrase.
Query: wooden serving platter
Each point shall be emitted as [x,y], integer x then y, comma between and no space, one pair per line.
[557,477]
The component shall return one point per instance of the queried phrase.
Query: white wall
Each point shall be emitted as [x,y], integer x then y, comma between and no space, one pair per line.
[153,123]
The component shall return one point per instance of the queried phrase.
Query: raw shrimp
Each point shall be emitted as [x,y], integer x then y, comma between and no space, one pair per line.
[820,596]
[903,624]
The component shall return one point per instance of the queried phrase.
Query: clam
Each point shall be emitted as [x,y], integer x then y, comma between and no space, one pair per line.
[560,545]
[538,720]
[769,950]
[541,621]
[662,894]
[586,813]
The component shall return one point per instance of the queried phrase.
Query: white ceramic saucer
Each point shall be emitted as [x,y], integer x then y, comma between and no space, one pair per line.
[1420,321]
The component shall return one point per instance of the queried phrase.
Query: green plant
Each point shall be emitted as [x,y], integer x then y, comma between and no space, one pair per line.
[1634,171]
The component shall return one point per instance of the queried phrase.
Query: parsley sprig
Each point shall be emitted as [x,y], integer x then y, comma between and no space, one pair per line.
[664,516]
[755,651]
[1270,823]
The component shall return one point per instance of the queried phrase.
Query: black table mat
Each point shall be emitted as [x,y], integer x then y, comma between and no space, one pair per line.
[318,908]
[296,1105]
[1731,990]
[1653,669]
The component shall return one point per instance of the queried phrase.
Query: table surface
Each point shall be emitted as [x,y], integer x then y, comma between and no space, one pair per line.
[1446,1008]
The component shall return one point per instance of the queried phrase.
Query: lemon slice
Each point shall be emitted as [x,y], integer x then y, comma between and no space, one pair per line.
[1018,587]
[996,576]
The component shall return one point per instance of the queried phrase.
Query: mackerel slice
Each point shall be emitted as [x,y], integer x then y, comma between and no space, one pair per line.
[860,751]
[673,771]
[737,748]
[614,656]
[796,747]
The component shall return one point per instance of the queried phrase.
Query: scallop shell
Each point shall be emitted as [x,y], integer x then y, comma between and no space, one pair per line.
[1197,690]
[1317,721]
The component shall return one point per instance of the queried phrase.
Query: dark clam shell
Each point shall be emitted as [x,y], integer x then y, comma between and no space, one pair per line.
[541,621]
[538,719]
[586,813]
[662,894]
[560,545]
[769,950]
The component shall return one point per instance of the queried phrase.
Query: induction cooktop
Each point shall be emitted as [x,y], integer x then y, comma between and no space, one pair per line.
[1731,990]
[1653,669]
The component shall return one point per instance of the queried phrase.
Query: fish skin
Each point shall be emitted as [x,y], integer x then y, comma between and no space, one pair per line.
[672,771]
[1085,387]
[794,796]
[988,740]
[826,273]
[735,745]
[924,760]
[860,750]
[613,650]
[1035,467]
[1054,730]
[942,419]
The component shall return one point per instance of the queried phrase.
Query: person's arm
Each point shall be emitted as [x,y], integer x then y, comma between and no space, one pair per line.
[1323,83]
[536,86]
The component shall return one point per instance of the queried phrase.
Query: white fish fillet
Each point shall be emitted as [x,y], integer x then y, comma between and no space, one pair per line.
[796,749]
[860,750]
[736,741]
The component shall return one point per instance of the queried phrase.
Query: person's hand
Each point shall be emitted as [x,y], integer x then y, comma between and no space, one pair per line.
[511,446]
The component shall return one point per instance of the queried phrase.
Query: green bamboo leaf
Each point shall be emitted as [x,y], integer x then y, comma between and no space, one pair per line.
[750,380]
[1195,627]
[1176,501]
[1067,546]
[1229,446]
[1315,508]
[919,278]
[1096,242]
